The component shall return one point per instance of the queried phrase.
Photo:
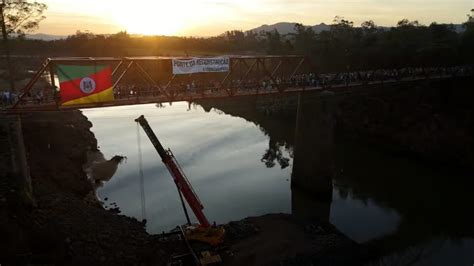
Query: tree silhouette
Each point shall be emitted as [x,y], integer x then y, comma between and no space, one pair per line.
[342,48]
[22,16]
[18,17]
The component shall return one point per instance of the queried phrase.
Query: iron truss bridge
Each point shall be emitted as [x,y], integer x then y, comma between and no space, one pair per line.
[139,80]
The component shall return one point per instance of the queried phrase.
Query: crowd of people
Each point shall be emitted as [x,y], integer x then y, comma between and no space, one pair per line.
[267,84]
[250,85]
[8,98]
[36,96]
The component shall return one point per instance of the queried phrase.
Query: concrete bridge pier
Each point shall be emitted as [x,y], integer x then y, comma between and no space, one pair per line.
[313,164]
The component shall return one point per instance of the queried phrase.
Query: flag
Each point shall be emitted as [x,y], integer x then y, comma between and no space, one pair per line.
[85,84]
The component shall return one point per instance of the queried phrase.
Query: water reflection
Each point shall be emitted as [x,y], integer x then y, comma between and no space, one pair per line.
[239,162]
[387,201]
[276,152]
[219,153]
[431,203]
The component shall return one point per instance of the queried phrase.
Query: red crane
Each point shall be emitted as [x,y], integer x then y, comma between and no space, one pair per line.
[177,173]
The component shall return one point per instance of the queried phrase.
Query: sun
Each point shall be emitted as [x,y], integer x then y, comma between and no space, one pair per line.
[149,18]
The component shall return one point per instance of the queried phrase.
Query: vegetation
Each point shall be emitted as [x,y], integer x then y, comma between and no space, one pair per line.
[16,18]
[22,16]
[343,47]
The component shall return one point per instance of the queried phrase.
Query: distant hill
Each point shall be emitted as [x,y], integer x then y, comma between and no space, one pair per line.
[281,27]
[44,37]
[289,27]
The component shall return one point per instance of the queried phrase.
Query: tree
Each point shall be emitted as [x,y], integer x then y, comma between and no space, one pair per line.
[406,23]
[344,40]
[22,16]
[467,40]
[368,26]
[235,38]
[273,42]
[18,17]
[304,38]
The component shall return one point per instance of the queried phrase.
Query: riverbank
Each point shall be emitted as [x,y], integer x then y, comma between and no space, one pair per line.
[69,226]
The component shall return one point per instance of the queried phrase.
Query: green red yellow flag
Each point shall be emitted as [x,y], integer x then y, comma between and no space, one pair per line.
[85,84]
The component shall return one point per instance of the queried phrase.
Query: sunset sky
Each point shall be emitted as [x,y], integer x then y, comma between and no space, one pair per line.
[213,17]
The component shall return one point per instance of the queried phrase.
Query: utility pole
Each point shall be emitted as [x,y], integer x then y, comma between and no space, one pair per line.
[6,47]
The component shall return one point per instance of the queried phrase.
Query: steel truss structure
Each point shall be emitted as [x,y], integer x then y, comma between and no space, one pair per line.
[156,83]
[139,80]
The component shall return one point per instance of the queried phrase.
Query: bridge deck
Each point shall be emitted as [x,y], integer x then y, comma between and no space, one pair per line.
[29,106]
[151,80]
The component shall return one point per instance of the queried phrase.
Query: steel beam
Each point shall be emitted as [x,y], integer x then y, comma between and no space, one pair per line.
[53,84]
[250,68]
[277,67]
[148,76]
[229,73]
[117,68]
[32,82]
[297,67]
[270,75]
[227,76]
[170,94]
[123,73]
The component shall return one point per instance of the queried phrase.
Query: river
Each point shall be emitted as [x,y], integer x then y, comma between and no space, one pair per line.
[413,213]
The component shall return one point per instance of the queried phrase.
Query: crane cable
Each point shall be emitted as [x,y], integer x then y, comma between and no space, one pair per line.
[140,170]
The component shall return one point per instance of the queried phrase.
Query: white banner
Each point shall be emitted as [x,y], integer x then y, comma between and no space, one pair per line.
[199,65]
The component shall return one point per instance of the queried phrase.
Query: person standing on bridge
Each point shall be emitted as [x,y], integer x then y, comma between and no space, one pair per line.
[40,96]
[7,97]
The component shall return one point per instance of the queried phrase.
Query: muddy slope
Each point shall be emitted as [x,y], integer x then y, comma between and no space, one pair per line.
[68,226]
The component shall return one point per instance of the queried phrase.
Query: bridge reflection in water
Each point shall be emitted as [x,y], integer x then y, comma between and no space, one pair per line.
[403,209]
[427,205]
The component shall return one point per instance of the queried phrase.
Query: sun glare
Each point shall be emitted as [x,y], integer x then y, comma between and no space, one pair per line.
[149,18]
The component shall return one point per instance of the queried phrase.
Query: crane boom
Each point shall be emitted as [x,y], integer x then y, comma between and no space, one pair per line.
[176,172]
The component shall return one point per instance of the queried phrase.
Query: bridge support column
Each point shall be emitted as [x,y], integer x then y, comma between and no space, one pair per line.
[15,182]
[313,164]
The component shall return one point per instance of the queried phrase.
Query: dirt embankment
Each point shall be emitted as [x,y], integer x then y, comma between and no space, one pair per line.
[287,240]
[68,226]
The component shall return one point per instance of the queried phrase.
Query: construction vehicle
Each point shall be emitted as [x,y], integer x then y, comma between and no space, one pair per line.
[204,232]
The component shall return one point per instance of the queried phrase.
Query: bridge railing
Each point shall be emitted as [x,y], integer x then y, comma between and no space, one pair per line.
[150,79]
